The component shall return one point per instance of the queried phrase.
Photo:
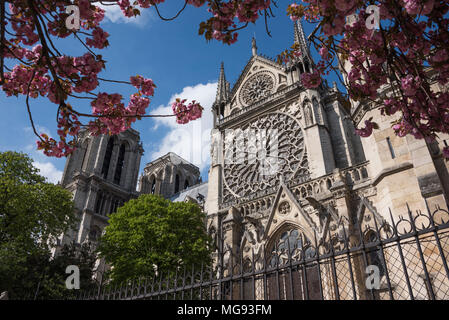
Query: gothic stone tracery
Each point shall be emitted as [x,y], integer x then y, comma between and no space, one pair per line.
[258,86]
[253,164]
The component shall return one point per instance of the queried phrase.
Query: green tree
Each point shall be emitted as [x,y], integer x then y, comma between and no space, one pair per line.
[53,283]
[44,276]
[32,214]
[150,233]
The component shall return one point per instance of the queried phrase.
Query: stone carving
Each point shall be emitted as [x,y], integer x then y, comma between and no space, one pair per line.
[316,107]
[284,208]
[293,109]
[215,147]
[259,165]
[289,244]
[253,233]
[213,235]
[227,253]
[308,114]
[258,86]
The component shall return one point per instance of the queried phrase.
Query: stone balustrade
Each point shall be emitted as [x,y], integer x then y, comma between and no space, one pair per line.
[302,187]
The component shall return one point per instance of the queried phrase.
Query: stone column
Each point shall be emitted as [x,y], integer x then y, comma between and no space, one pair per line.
[231,227]
[214,193]
[345,207]
[87,212]
[231,233]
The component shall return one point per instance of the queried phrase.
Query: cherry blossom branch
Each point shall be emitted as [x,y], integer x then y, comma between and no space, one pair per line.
[28,107]
[175,16]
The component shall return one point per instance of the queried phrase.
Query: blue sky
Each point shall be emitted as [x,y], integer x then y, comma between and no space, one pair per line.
[179,61]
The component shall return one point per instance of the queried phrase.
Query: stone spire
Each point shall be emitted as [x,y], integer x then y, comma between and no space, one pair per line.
[300,38]
[254,47]
[222,87]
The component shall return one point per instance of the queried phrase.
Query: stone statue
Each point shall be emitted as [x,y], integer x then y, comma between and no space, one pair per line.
[253,233]
[227,252]
[308,114]
[215,146]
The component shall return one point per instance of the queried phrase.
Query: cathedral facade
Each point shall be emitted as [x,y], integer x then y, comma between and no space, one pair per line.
[288,169]
[286,165]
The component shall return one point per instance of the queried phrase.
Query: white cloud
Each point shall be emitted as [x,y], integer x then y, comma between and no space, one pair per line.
[39,129]
[115,15]
[190,141]
[45,164]
[48,170]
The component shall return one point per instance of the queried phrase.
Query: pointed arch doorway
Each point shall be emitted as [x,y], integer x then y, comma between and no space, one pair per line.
[289,246]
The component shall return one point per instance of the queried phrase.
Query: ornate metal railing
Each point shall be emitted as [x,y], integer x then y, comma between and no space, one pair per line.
[405,258]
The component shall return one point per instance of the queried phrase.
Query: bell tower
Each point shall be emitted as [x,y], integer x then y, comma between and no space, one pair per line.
[168,175]
[102,175]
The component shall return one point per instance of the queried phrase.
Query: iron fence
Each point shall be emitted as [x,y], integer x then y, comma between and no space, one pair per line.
[410,255]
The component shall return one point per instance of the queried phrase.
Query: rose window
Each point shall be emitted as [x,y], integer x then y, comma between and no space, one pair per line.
[260,154]
[257,87]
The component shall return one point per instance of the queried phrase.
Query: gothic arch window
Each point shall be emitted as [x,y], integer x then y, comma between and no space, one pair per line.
[85,159]
[186,184]
[153,184]
[234,149]
[99,202]
[268,146]
[107,157]
[177,183]
[287,156]
[307,67]
[167,173]
[112,205]
[291,242]
[287,243]
[120,164]
[115,204]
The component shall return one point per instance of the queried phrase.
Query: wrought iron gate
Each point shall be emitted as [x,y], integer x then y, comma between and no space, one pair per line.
[410,254]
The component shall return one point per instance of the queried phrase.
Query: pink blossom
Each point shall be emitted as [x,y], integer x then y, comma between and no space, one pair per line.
[367,130]
[446,152]
[311,80]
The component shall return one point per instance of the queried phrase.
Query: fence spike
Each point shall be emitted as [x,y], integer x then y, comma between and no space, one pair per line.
[393,224]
